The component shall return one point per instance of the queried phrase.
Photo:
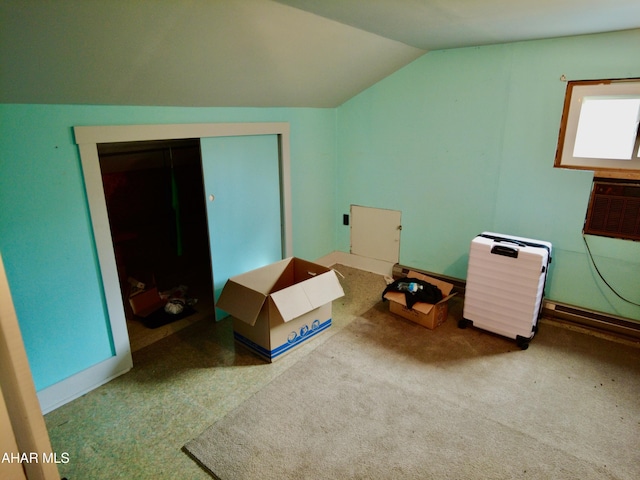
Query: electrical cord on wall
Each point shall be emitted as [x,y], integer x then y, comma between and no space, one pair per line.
[584,238]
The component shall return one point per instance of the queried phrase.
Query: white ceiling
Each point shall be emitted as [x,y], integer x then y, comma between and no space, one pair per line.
[256,53]
[442,24]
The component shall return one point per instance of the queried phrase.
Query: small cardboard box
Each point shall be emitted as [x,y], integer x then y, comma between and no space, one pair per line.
[278,307]
[426,314]
[146,302]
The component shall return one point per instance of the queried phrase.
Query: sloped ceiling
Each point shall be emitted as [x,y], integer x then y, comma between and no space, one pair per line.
[443,24]
[256,53]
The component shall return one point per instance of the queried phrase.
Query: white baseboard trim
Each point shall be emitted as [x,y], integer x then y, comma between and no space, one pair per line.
[83,382]
[372,265]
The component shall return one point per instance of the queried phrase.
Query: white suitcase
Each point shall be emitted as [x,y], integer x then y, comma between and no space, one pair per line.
[505,285]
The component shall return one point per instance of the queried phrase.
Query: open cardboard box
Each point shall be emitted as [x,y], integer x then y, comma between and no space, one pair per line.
[278,307]
[426,314]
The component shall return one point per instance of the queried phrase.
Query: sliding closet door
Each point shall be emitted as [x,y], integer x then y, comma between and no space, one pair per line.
[242,189]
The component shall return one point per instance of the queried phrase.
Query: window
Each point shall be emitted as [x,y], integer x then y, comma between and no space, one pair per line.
[599,129]
[600,132]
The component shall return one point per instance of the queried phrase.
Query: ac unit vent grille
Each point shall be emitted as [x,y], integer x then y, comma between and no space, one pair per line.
[614,210]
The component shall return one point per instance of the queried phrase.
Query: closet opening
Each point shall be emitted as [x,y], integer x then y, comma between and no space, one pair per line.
[154,194]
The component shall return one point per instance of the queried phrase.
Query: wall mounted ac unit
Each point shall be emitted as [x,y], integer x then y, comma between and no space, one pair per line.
[614,210]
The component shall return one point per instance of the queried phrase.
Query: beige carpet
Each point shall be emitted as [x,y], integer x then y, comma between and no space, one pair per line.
[387,399]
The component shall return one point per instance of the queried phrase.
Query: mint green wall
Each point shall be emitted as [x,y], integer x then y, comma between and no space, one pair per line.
[460,141]
[45,232]
[464,140]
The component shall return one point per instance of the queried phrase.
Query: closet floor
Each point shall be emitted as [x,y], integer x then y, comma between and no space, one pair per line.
[200,288]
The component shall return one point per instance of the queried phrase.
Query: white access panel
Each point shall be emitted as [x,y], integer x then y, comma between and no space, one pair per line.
[505,283]
[375,233]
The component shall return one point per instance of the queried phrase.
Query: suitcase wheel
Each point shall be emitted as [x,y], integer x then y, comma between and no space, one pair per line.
[522,342]
[464,323]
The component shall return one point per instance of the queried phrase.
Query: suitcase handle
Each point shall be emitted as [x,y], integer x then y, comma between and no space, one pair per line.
[504,251]
[510,240]
[518,242]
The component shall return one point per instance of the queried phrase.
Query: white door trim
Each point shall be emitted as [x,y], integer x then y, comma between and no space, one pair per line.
[87,138]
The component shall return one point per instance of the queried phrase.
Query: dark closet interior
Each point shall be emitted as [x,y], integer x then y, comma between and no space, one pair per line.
[156,206]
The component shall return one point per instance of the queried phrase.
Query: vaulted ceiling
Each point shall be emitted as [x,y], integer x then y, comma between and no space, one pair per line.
[256,53]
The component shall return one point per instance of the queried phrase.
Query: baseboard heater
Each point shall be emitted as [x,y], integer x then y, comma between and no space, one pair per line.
[597,321]
[593,320]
